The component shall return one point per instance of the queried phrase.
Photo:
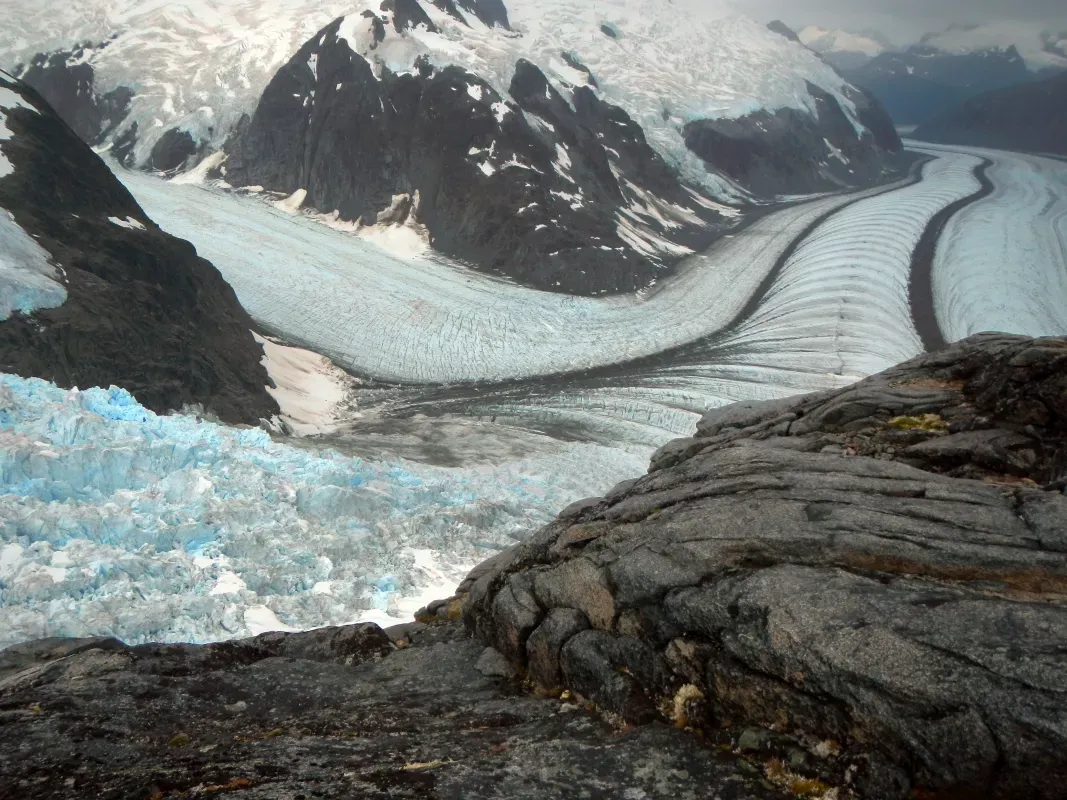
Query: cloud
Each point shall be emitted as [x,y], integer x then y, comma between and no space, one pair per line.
[904,20]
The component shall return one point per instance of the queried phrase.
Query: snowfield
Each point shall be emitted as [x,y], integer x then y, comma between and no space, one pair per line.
[116,521]
[200,64]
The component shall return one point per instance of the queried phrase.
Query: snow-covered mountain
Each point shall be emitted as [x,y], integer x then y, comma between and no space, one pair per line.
[844,49]
[574,146]
[92,292]
[1041,47]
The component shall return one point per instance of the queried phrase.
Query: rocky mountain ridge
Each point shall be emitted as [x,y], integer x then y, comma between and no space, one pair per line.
[142,310]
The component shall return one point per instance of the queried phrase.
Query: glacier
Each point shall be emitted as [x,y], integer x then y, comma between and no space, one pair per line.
[117,521]
[1001,263]
[423,319]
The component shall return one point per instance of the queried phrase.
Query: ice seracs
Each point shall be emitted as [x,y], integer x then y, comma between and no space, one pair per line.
[116,521]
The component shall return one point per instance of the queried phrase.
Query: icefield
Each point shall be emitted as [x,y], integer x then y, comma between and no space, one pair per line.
[116,521]
[667,63]
[1001,263]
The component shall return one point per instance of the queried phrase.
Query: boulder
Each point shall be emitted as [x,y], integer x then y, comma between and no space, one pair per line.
[876,574]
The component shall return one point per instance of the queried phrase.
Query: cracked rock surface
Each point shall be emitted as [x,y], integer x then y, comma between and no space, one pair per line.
[879,572]
[333,713]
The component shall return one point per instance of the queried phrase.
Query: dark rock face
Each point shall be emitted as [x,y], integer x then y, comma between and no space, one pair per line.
[1031,117]
[923,82]
[787,151]
[554,198]
[172,150]
[67,83]
[781,28]
[877,575]
[143,311]
[339,712]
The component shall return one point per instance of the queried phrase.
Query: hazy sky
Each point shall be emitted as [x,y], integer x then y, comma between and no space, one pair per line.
[904,20]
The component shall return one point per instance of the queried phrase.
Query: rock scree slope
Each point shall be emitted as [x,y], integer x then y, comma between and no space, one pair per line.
[857,593]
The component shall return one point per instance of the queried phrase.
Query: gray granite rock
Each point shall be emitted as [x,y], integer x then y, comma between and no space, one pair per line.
[877,574]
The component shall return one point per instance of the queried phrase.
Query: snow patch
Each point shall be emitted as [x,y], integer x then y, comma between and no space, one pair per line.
[129,223]
[28,279]
[308,388]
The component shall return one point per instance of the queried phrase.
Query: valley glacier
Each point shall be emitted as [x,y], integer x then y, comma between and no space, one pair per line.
[116,521]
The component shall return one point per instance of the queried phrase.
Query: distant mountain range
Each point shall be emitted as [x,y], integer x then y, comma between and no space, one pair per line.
[944,69]
[1031,117]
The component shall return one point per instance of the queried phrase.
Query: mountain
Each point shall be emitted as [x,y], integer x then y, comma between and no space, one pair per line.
[580,156]
[1030,118]
[921,82]
[947,68]
[844,49]
[1042,48]
[93,293]
[571,147]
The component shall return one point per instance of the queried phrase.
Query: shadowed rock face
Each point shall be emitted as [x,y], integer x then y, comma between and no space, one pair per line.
[338,712]
[143,310]
[882,569]
[536,196]
[790,152]
[68,85]
[1031,118]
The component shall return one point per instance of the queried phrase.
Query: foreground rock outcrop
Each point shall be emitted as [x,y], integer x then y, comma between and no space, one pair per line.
[853,594]
[878,573]
[340,712]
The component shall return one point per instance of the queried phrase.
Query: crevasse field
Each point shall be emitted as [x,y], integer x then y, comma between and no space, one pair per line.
[164,528]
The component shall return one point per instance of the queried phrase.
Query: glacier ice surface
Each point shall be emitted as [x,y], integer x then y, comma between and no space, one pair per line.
[423,319]
[1001,263]
[117,521]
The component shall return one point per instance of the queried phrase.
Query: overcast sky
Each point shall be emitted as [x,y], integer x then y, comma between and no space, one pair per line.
[903,20]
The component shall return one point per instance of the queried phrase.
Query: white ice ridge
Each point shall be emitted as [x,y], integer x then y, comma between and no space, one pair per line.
[116,521]
[424,320]
[1001,263]
[201,64]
